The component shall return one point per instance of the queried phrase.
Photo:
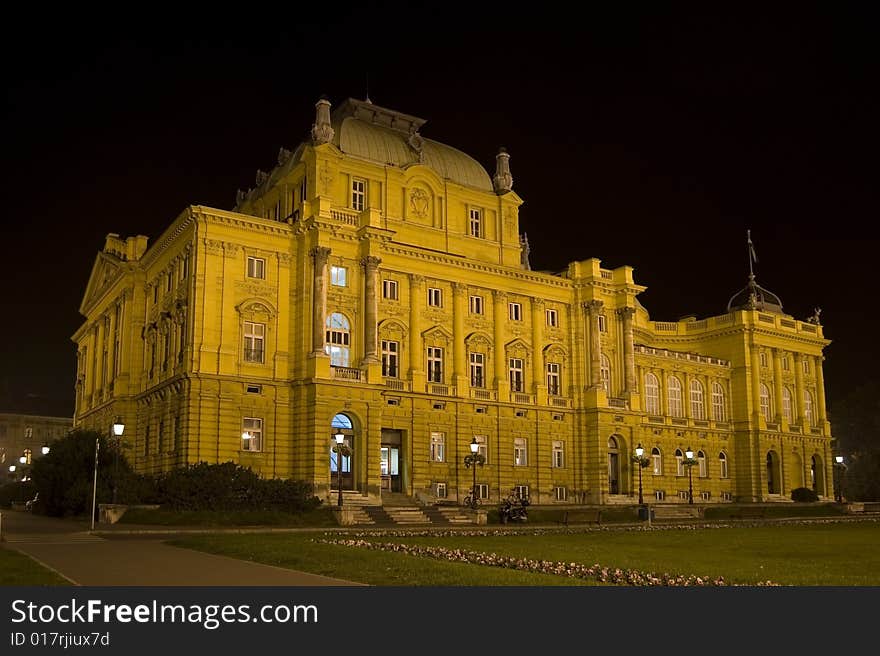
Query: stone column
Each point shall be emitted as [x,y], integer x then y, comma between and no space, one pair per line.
[459,310]
[593,308]
[100,339]
[799,391]
[111,344]
[629,363]
[320,255]
[777,383]
[820,392]
[756,385]
[500,354]
[416,299]
[371,309]
[538,375]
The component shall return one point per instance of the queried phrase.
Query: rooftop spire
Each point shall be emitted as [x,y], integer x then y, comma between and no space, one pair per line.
[321,131]
[503,180]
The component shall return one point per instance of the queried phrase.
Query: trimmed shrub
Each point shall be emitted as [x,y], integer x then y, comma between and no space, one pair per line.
[16,493]
[804,494]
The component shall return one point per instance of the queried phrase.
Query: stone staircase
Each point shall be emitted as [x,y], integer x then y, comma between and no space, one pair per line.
[398,509]
[447,515]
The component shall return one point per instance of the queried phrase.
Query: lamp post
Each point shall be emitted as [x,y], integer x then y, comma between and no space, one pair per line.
[473,459]
[118,428]
[95,483]
[689,462]
[839,468]
[640,459]
[340,443]
[45,448]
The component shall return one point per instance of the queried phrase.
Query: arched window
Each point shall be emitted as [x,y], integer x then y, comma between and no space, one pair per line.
[605,371]
[613,466]
[338,340]
[652,395]
[701,464]
[674,393]
[722,458]
[698,407]
[787,410]
[340,424]
[657,461]
[808,407]
[679,463]
[766,408]
[719,407]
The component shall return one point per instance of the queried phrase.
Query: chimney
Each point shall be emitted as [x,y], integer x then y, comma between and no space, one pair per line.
[503,180]
[321,131]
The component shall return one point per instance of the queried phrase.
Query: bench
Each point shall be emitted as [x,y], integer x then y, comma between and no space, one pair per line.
[676,512]
[749,512]
[588,516]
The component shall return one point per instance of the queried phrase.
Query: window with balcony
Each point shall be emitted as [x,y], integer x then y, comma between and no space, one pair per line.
[338,340]
[477,369]
[674,397]
[390,351]
[515,368]
[358,194]
[652,395]
[435,364]
[554,388]
[254,339]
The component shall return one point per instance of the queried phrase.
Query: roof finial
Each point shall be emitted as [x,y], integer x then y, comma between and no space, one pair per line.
[503,180]
[321,131]
[753,257]
[367,99]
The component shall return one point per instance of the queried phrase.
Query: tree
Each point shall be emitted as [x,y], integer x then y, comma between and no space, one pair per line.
[855,423]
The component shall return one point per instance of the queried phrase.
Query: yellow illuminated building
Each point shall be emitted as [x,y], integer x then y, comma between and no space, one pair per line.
[375,282]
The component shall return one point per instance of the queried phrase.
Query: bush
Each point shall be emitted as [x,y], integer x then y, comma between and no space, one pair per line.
[16,493]
[804,494]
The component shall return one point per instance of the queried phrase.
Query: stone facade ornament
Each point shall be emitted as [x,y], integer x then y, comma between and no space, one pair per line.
[418,202]
[416,142]
[503,181]
[321,131]
[262,176]
[283,156]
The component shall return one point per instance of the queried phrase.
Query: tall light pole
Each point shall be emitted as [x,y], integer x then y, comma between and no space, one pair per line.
[118,428]
[472,460]
[690,462]
[95,483]
[340,442]
[640,459]
[839,467]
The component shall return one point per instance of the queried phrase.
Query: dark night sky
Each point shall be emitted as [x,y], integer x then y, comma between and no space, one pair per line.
[653,139]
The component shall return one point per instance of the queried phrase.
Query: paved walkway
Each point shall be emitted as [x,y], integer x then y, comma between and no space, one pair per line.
[85,558]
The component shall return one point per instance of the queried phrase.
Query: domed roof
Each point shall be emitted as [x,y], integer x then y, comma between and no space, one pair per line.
[385,136]
[755,297]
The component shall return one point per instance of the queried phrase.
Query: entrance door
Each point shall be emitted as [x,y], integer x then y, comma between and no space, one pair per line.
[613,467]
[389,463]
[340,464]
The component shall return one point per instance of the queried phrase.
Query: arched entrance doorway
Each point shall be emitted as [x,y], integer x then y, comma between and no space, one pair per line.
[341,424]
[774,477]
[817,474]
[613,466]
[797,471]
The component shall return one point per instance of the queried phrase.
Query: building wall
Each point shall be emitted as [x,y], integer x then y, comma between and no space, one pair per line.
[25,435]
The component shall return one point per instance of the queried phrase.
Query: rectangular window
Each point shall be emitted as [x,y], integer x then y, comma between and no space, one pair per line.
[435,364]
[476,305]
[254,388]
[338,276]
[482,491]
[726,496]
[184,267]
[514,311]
[522,491]
[476,222]
[683,495]
[358,194]
[441,490]
[389,358]
[477,365]
[806,366]
[483,449]
[389,289]
[156,293]
[558,454]
[552,318]
[517,383]
[561,493]
[785,363]
[251,434]
[302,190]
[168,280]
[147,440]
[763,359]
[659,495]
[603,326]
[656,463]
[254,335]
[553,387]
[438,447]
[435,297]
[520,451]
[256,268]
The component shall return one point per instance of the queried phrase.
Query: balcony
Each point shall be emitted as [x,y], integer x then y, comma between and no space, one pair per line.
[559,401]
[522,398]
[482,394]
[397,385]
[346,373]
[617,403]
[436,389]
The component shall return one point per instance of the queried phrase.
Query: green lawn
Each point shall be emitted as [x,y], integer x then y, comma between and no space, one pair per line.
[320,517]
[803,554]
[18,569]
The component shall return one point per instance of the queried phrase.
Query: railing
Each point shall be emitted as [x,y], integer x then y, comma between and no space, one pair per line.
[772,426]
[794,429]
[482,394]
[809,328]
[560,402]
[351,218]
[816,431]
[345,373]
[617,403]
[679,355]
[766,318]
[397,385]
[440,390]
[679,421]
[699,423]
[666,325]
[607,275]
[519,397]
[696,325]
[788,323]
[722,424]
[656,419]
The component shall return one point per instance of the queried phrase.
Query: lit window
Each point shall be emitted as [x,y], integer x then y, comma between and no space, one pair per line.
[722,458]
[514,311]
[808,407]
[251,434]
[438,447]
[679,463]
[603,326]
[483,450]
[785,363]
[553,386]
[787,404]
[477,368]
[389,358]
[763,358]
[254,337]
[806,366]
[338,340]
[605,373]
[517,383]
[656,462]
[552,318]
[561,493]
[674,393]
[358,194]
[441,490]
[520,451]
[476,305]
[521,491]
[435,297]
[652,394]
[256,267]
[476,222]
[766,408]
[338,275]
[701,464]
[698,409]
[435,364]
[389,289]
[558,454]
[719,407]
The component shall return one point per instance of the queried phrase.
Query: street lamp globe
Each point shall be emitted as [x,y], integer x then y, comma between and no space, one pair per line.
[340,439]
[689,453]
[475,446]
[11,468]
[839,459]
[640,450]
[118,427]
[45,449]
[22,459]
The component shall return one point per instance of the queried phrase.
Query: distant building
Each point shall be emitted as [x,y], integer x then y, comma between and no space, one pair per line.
[375,282]
[25,436]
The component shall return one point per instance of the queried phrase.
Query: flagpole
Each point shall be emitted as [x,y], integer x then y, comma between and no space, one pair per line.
[751,250]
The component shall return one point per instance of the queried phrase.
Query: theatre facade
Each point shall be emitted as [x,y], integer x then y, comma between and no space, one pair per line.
[376,283]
